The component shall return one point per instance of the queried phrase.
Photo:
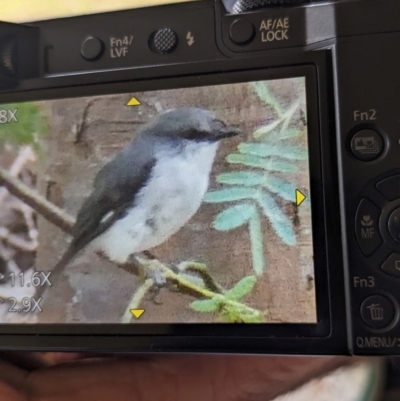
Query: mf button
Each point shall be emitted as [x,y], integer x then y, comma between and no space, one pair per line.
[367,227]
[378,311]
[394,225]
[392,265]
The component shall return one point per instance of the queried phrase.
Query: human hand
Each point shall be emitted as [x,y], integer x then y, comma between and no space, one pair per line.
[79,377]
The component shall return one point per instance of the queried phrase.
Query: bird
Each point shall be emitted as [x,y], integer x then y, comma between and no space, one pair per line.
[151,188]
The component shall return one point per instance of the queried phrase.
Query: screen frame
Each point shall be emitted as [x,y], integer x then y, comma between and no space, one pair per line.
[331,326]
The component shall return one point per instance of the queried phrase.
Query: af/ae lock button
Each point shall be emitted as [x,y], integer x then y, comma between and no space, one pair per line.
[92,48]
[242,32]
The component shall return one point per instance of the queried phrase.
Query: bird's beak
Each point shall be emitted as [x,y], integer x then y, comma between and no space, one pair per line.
[228,132]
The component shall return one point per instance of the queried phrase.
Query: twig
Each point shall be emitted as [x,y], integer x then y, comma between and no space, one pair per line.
[83,125]
[137,299]
[25,154]
[17,242]
[195,289]
[29,220]
[37,202]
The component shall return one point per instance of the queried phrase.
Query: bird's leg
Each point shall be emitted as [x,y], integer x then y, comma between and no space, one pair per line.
[149,268]
[149,255]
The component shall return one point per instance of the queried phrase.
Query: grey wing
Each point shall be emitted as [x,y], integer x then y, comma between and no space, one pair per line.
[114,190]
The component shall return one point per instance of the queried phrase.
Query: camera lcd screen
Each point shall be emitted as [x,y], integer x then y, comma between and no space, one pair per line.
[187,205]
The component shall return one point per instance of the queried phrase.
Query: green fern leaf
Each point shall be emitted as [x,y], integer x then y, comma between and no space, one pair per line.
[234,217]
[259,162]
[266,129]
[230,195]
[268,150]
[283,188]
[257,244]
[242,288]
[289,133]
[281,166]
[206,305]
[245,178]
[279,221]
[263,92]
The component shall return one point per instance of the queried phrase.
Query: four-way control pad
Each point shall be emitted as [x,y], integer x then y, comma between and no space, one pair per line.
[377,231]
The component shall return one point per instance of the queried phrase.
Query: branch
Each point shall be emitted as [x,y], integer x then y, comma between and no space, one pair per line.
[202,270]
[185,285]
[66,222]
[137,299]
[37,202]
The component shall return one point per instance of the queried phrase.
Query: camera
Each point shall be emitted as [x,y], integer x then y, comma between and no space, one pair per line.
[212,176]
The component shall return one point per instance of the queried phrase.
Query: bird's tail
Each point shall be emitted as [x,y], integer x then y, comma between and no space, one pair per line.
[65,259]
[58,268]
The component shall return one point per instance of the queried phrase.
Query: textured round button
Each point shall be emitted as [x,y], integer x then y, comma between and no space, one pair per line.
[241,6]
[378,311]
[394,225]
[367,145]
[242,32]
[92,48]
[164,41]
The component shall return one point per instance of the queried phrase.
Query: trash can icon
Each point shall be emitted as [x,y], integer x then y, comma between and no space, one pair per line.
[377,312]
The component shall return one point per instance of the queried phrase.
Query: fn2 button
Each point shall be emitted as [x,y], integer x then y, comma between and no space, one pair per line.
[367,227]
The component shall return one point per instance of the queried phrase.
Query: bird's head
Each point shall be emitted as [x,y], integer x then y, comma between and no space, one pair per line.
[192,124]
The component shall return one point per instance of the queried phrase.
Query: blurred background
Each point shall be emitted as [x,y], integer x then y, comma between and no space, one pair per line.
[361,383]
[26,10]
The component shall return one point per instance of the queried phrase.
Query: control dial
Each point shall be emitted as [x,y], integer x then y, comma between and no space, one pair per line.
[241,6]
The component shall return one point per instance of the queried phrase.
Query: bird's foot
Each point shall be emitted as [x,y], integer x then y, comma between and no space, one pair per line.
[148,268]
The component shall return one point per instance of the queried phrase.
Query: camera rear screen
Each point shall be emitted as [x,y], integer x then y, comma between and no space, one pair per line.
[187,205]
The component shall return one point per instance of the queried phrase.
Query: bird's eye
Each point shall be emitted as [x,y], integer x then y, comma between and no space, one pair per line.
[220,123]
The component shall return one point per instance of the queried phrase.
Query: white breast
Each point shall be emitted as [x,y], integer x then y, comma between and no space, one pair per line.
[172,196]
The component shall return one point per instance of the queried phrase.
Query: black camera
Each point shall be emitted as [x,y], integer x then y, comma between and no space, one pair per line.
[169,171]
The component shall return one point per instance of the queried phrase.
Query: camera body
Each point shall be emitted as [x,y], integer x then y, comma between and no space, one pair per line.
[348,52]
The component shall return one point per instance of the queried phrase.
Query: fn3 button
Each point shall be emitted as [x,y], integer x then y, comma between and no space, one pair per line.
[378,311]
[367,227]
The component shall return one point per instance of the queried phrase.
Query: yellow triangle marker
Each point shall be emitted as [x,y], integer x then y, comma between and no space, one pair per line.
[137,312]
[300,197]
[133,102]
